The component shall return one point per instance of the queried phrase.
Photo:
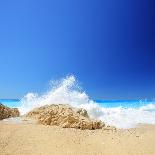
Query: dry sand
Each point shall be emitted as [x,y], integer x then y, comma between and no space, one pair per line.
[28,138]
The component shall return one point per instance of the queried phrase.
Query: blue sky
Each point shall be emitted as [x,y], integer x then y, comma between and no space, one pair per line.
[108,45]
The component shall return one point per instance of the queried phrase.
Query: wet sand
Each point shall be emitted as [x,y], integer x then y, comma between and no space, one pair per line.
[29,138]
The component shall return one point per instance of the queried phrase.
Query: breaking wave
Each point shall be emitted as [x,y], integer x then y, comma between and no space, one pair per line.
[67,91]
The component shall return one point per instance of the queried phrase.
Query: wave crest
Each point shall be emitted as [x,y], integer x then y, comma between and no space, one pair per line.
[67,91]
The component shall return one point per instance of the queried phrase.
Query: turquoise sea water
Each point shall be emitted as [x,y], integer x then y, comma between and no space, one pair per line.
[12,103]
[104,103]
[125,103]
[120,113]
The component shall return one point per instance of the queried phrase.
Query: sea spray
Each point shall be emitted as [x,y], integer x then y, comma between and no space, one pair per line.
[67,91]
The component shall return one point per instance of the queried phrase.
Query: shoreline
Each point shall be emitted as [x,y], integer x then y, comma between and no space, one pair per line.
[36,139]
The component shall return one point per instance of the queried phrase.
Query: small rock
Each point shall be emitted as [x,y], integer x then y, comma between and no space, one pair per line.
[6,112]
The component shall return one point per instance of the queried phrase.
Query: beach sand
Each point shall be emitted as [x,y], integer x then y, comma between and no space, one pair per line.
[34,139]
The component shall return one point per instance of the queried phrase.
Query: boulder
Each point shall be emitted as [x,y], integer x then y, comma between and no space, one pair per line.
[65,117]
[6,112]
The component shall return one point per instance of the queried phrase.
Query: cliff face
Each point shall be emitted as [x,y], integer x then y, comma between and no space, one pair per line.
[6,112]
[64,116]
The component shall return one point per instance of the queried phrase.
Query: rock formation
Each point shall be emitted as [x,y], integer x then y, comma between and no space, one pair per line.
[64,116]
[6,112]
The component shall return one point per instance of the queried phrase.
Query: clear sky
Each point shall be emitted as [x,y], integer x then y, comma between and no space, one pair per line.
[108,45]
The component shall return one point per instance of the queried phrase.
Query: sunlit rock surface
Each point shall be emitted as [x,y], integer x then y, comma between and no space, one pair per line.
[6,112]
[65,116]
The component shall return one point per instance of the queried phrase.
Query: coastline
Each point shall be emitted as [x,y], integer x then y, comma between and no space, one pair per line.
[35,139]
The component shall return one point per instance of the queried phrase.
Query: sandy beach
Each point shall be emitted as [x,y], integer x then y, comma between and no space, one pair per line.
[30,138]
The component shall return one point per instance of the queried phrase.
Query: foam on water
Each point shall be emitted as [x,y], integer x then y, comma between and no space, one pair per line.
[67,91]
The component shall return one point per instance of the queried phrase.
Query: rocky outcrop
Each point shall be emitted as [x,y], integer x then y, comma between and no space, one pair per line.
[64,116]
[6,112]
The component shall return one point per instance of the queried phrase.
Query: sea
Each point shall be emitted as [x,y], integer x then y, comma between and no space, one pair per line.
[119,113]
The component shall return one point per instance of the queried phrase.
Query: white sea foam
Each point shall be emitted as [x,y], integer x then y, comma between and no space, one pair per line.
[67,91]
